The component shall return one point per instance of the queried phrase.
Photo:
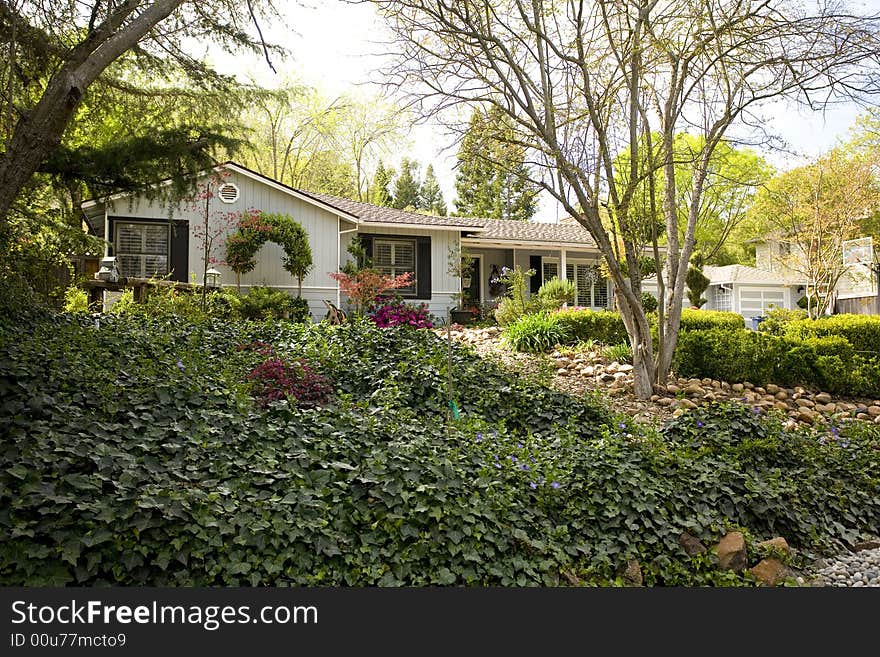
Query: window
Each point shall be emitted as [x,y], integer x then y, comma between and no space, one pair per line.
[724,298]
[396,257]
[591,288]
[142,249]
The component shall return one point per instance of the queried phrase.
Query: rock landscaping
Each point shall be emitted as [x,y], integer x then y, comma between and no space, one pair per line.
[580,371]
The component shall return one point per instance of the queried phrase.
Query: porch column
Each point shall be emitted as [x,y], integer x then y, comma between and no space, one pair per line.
[562,267]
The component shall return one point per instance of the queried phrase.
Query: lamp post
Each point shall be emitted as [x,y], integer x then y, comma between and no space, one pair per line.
[212,278]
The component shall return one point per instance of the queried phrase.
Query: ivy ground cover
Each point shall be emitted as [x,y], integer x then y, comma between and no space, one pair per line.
[134,452]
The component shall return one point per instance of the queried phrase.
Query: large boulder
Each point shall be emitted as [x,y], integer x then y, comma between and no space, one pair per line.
[778,544]
[769,571]
[731,551]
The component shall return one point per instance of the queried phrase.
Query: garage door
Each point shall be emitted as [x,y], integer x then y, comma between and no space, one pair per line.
[757,301]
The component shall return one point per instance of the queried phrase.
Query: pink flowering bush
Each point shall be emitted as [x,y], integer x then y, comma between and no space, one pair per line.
[396,312]
[295,380]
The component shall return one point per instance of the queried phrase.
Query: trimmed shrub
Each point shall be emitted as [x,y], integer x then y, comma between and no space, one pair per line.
[537,333]
[602,326]
[829,363]
[862,331]
[704,320]
[649,302]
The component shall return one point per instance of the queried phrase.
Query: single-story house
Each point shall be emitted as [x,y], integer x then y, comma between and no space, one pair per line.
[151,238]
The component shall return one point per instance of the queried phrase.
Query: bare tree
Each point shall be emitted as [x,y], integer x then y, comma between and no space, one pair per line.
[583,81]
[75,43]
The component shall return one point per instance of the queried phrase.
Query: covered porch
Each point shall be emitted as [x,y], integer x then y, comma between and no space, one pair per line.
[577,263]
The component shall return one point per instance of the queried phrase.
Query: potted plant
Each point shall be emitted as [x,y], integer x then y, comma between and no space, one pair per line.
[460,266]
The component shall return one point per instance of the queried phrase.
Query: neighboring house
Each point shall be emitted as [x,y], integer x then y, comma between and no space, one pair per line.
[150,238]
[856,291]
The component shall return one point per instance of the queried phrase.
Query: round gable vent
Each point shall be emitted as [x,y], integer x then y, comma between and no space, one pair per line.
[228,193]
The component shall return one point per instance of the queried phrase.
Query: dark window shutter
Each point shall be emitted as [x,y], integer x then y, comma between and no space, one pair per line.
[423,268]
[179,260]
[535,281]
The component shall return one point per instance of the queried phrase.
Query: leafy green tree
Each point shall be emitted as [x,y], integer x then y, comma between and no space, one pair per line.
[406,187]
[431,194]
[493,179]
[54,52]
[380,191]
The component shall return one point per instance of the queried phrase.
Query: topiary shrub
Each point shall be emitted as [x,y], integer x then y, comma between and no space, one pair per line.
[649,302]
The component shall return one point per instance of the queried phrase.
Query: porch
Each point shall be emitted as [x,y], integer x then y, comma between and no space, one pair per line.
[579,265]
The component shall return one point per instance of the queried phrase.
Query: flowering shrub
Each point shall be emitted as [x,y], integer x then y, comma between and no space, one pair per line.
[364,287]
[396,312]
[277,379]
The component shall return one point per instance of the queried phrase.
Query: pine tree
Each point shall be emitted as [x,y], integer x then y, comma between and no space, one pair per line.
[431,194]
[406,187]
[493,178]
[380,191]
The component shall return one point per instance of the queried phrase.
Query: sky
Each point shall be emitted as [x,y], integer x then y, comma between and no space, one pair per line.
[337,47]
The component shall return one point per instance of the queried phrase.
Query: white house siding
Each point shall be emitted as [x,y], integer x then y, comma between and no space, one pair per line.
[321,226]
[443,284]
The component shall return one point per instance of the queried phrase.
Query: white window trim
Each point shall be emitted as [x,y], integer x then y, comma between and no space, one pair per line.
[116,250]
[395,271]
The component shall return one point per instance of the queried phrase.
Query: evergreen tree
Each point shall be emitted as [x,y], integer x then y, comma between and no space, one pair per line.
[431,194]
[406,187]
[493,178]
[380,191]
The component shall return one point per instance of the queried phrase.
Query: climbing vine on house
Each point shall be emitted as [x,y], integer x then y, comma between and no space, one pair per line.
[255,228]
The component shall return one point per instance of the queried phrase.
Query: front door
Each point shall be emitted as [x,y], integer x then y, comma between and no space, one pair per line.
[471,284]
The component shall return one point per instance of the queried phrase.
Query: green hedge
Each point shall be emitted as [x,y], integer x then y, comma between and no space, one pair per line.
[862,331]
[540,331]
[704,320]
[830,362]
[603,326]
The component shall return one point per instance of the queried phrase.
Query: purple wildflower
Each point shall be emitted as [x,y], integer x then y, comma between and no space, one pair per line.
[524,467]
[533,485]
[479,436]
[180,365]
[555,484]
[700,424]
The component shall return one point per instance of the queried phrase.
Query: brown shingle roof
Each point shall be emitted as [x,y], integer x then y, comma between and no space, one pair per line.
[533,231]
[369,213]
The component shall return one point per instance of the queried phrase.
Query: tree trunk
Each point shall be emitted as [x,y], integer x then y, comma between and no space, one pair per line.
[40,130]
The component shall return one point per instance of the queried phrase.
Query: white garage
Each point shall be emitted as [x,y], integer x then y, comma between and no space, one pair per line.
[749,291]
